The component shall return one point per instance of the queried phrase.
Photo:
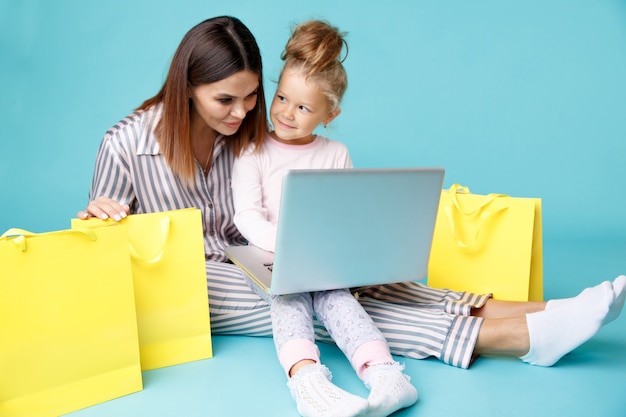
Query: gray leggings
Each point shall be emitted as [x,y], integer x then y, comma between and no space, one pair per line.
[345,320]
[416,320]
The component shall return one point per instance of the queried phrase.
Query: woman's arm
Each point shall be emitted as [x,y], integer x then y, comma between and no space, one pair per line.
[104,208]
[111,190]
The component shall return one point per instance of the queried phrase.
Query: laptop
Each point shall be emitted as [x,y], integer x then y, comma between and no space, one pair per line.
[345,228]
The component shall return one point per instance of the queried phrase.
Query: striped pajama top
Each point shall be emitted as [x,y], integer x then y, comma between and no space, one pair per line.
[130,169]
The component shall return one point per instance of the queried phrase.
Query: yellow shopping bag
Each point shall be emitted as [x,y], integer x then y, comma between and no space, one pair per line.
[68,329]
[488,244]
[169,275]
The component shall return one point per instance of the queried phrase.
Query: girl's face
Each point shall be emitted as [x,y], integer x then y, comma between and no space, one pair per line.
[222,105]
[298,108]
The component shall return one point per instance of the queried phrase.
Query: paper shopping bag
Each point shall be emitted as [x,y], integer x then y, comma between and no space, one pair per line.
[169,275]
[68,329]
[488,244]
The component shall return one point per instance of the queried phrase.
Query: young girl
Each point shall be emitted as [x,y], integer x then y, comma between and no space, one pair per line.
[310,89]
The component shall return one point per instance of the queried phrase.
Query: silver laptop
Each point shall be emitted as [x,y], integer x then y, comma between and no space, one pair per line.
[345,228]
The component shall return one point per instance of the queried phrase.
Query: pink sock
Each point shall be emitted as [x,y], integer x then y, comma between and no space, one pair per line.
[297,350]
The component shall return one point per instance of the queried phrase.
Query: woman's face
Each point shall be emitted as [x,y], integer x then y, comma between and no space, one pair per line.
[222,105]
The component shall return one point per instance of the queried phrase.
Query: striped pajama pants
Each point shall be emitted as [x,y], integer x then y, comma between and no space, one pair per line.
[417,321]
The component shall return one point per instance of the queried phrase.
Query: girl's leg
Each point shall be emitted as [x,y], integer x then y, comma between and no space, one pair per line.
[309,381]
[364,345]
[350,327]
[237,310]
[316,396]
[292,323]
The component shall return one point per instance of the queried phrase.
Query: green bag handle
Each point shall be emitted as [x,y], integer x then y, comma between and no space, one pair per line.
[457,214]
[18,236]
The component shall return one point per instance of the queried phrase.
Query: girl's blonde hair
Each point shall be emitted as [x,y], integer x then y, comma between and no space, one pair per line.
[315,48]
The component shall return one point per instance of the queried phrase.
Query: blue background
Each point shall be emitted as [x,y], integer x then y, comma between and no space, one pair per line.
[525,98]
[519,97]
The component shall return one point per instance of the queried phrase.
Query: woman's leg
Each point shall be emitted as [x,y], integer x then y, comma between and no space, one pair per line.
[235,308]
[503,336]
[419,321]
[543,336]
[495,309]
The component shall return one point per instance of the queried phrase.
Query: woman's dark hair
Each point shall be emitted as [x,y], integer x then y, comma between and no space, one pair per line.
[211,51]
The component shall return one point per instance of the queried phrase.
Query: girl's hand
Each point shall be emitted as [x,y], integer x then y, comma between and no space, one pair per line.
[105,208]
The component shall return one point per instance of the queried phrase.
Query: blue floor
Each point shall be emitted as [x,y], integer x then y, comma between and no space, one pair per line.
[244,379]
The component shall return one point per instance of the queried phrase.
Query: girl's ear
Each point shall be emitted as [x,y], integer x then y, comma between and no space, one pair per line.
[331,116]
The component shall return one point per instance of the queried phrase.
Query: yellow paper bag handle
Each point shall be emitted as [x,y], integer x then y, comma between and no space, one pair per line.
[134,252]
[18,236]
[456,214]
[165,231]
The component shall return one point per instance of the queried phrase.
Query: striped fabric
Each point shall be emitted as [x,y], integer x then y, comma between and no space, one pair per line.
[235,308]
[416,320]
[420,322]
[131,170]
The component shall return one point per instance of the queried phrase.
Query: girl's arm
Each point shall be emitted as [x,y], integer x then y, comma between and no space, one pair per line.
[251,217]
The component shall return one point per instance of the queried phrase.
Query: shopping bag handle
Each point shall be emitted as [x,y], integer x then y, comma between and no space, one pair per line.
[482,213]
[165,231]
[18,236]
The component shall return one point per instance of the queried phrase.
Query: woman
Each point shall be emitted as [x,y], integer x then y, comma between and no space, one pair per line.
[177,151]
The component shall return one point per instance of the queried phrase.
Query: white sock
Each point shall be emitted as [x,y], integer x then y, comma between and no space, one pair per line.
[316,396]
[557,302]
[619,289]
[390,389]
[563,327]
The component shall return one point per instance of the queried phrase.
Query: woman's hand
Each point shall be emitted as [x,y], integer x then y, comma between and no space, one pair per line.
[105,208]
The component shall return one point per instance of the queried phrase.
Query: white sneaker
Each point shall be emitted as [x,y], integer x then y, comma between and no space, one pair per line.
[390,389]
[316,396]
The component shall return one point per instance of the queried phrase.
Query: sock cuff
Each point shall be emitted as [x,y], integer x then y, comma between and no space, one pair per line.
[294,351]
[370,353]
